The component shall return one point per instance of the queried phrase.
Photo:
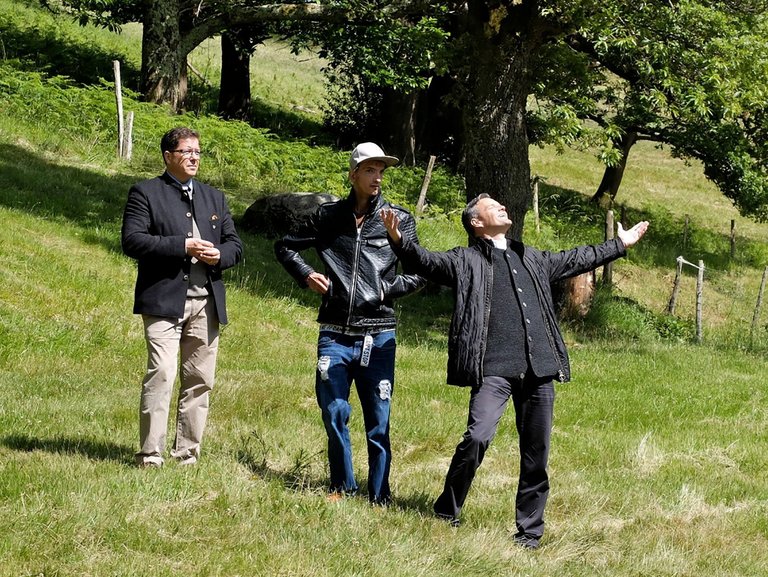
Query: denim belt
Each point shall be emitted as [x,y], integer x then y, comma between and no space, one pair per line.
[353,331]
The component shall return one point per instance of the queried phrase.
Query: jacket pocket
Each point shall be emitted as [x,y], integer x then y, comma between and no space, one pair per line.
[377,242]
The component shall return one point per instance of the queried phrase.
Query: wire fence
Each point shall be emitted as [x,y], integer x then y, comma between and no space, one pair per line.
[735,316]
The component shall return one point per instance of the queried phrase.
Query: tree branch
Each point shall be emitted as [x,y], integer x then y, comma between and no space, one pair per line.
[218,20]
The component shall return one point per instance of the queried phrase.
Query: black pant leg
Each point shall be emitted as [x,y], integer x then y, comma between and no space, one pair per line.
[486,406]
[534,406]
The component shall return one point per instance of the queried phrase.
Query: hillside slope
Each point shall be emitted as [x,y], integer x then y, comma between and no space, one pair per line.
[658,448]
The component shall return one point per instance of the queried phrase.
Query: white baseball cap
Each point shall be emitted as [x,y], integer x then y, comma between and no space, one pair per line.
[370,151]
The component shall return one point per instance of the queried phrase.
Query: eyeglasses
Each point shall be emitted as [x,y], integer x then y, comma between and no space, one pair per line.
[189,153]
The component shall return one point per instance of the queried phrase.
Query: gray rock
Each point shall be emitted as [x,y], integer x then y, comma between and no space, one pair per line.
[276,215]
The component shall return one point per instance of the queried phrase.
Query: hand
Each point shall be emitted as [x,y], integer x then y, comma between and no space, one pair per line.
[210,256]
[197,247]
[318,283]
[392,223]
[631,236]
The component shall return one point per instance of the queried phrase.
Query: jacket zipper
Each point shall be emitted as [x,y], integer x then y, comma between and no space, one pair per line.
[355,264]
[487,315]
[547,327]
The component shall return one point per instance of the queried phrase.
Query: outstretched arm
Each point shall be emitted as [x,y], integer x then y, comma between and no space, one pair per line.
[439,267]
[631,236]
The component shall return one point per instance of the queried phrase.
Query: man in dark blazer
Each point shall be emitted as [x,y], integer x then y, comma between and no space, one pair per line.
[182,235]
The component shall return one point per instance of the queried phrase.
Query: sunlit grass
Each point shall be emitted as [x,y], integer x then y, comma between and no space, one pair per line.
[659,445]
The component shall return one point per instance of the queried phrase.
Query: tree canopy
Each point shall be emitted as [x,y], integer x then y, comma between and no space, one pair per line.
[690,74]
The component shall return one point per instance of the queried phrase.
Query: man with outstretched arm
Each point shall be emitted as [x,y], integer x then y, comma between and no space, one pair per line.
[504,343]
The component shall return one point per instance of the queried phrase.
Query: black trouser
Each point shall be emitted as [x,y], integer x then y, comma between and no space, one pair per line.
[533,416]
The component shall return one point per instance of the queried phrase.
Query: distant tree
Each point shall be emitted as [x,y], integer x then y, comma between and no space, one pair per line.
[632,68]
[173,28]
[237,46]
[687,75]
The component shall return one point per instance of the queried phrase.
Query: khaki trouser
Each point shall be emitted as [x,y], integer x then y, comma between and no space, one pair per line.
[196,335]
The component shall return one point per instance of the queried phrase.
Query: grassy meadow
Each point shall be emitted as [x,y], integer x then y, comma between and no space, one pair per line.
[659,445]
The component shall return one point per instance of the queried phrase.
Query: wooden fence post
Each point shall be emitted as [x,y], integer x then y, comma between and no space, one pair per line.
[609,233]
[128,137]
[699,300]
[536,204]
[119,98]
[756,315]
[425,186]
[733,238]
[676,287]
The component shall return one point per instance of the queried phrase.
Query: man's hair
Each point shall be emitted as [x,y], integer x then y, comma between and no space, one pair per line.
[470,212]
[171,138]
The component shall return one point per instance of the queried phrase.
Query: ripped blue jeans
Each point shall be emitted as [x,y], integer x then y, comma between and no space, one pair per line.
[341,359]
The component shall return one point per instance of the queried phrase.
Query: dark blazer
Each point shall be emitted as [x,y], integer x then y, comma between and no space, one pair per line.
[156,222]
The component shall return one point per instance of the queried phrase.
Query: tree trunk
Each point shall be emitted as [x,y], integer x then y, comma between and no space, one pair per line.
[163,61]
[235,87]
[439,128]
[613,175]
[494,118]
[398,124]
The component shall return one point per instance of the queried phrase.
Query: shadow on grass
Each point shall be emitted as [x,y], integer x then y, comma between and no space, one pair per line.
[55,192]
[49,50]
[288,125]
[90,448]
[299,477]
[420,503]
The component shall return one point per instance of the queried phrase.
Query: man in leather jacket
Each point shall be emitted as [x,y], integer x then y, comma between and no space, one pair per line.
[504,343]
[357,319]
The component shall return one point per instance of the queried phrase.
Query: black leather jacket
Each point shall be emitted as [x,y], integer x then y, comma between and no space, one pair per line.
[361,265]
[469,272]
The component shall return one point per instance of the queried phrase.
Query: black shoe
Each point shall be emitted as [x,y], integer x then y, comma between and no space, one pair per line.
[450,519]
[526,542]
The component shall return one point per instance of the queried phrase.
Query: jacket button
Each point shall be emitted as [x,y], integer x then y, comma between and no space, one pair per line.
[186,277]
[189,235]
[189,215]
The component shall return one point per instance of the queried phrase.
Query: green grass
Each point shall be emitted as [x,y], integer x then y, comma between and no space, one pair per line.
[659,445]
